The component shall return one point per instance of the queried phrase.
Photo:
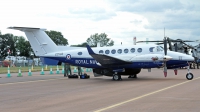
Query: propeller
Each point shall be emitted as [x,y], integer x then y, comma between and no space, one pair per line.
[165,58]
[165,51]
[169,40]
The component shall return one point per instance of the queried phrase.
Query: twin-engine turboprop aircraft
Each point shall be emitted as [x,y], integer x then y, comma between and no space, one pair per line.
[109,61]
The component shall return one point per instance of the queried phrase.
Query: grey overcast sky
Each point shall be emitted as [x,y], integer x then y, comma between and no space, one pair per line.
[120,19]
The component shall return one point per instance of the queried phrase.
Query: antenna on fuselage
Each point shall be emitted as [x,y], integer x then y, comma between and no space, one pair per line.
[134,40]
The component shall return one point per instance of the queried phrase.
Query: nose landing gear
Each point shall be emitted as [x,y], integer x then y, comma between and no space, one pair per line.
[189,75]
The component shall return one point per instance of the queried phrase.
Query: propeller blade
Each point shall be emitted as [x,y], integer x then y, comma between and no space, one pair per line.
[165,69]
[175,71]
[159,43]
[176,47]
[165,45]
[170,44]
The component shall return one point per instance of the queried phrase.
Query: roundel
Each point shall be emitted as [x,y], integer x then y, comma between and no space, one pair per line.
[68,56]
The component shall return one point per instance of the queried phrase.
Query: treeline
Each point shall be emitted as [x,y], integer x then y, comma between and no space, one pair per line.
[19,46]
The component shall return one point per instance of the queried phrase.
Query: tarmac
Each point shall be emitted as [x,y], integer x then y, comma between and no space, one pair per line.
[150,92]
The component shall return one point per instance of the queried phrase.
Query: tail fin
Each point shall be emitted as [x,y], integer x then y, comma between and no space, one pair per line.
[40,42]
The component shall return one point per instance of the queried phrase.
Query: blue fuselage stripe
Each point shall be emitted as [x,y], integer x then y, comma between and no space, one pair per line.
[91,63]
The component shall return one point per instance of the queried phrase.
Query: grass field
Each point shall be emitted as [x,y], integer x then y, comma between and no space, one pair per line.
[25,69]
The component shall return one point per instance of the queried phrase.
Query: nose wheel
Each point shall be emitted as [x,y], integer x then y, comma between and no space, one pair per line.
[189,76]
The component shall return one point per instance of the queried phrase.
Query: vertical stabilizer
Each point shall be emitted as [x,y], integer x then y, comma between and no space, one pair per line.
[40,42]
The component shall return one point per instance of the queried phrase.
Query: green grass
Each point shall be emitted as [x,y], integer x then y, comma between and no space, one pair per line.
[25,69]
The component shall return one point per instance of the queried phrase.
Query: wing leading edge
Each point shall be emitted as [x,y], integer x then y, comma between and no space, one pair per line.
[106,60]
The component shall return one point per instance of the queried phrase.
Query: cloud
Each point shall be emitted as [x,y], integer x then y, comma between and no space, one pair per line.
[120,19]
[147,5]
[95,13]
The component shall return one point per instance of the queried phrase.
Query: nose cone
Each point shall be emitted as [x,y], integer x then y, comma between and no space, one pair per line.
[189,58]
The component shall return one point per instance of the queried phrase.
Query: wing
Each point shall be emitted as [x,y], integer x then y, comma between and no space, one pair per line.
[106,60]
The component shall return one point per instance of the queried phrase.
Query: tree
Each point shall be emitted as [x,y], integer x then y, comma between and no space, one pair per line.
[23,46]
[57,37]
[80,45]
[100,38]
[7,45]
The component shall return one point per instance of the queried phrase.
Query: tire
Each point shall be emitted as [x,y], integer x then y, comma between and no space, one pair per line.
[189,76]
[116,77]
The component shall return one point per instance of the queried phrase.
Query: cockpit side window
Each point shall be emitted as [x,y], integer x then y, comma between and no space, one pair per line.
[159,48]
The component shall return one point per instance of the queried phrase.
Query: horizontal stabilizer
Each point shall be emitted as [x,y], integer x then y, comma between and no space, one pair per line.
[25,28]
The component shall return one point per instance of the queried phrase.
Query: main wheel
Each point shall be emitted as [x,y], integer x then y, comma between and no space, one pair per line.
[117,77]
[189,76]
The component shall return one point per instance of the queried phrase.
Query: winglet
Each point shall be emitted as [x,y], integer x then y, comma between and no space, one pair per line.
[90,51]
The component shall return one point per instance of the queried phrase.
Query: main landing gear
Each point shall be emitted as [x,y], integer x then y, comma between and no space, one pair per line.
[189,75]
[116,77]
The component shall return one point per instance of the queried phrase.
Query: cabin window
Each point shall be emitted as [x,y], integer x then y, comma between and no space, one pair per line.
[132,50]
[101,52]
[151,49]
[113,51]
[139,50]
[119,51]
[107,51]
[125,50]
[80,53]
